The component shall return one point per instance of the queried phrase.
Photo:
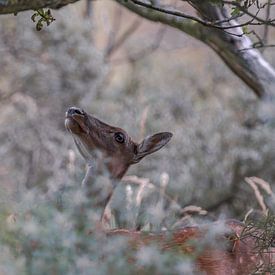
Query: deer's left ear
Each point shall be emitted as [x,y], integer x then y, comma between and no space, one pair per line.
[152,144]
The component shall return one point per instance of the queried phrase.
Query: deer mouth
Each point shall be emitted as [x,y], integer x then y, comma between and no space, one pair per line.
[75,121]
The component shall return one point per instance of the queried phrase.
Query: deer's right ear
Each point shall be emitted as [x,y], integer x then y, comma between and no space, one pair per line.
[152,144]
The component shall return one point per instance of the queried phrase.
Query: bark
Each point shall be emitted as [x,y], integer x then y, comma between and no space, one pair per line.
[249,65]
[14,6]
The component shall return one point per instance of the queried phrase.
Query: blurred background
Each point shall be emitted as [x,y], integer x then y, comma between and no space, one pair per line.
[137,75]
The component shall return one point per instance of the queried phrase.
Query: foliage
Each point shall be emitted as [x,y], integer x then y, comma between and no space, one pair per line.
[40,235]
[44,17]
[45,238]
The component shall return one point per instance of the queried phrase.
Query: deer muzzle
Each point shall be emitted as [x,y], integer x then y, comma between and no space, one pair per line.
[75,121]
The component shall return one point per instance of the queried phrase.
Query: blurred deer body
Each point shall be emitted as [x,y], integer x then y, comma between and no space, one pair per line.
[107,147]
[227,252]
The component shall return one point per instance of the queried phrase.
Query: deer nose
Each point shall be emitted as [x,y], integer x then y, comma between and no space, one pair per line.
[74,110]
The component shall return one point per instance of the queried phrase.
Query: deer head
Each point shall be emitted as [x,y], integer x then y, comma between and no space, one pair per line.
[117,149]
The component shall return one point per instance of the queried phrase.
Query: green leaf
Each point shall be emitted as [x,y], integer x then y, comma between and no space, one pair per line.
[39,24]
[245,29]
[235,11]
[34,16]
[45,17]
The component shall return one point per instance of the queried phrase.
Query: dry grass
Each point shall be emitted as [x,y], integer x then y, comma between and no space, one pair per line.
[255,183]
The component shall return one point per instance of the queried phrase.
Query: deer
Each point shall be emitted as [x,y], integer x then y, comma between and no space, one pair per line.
[105,147]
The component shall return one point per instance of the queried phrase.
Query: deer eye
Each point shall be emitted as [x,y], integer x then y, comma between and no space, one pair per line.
[119,137]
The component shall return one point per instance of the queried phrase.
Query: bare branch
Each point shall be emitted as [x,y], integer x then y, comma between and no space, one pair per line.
[114,45]
[210,23]
[14,6]
[145,51]
[187,16]
[265,36]
[247,12]
[113,32]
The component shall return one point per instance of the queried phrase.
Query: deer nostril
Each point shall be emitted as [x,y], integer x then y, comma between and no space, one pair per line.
[78,112]
[74,110]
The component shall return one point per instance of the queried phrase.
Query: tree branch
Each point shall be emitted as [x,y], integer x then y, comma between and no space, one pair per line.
[249,65]
[14,6]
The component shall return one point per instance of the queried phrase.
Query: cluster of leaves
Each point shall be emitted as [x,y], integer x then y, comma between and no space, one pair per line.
[44,16]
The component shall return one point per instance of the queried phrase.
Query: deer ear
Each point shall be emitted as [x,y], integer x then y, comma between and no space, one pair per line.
[152,144]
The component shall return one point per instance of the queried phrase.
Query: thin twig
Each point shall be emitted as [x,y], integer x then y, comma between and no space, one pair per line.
[266,27]
[117,44]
